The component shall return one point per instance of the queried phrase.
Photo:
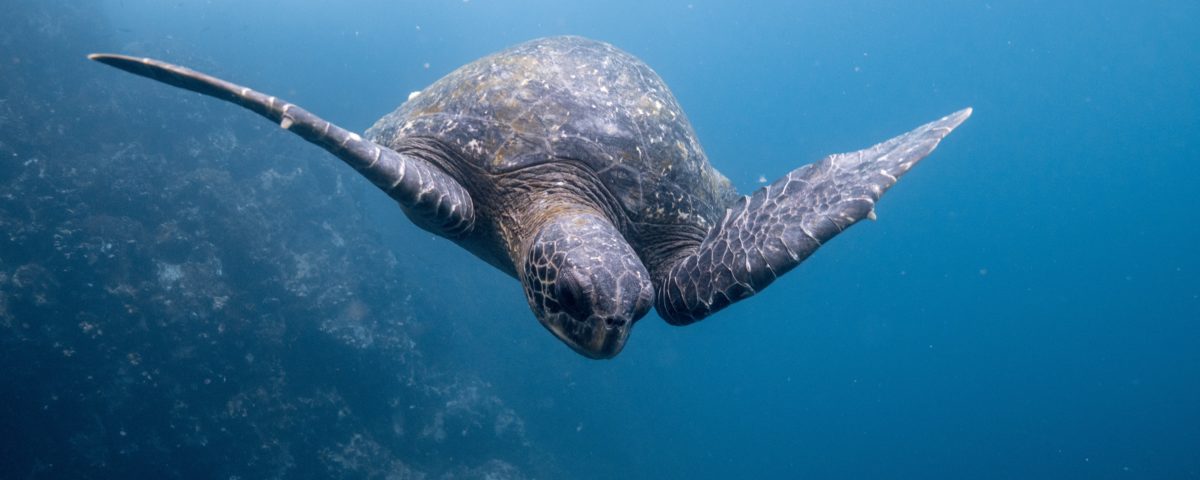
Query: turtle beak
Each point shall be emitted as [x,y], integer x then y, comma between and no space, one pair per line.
[596,338]
[609,338]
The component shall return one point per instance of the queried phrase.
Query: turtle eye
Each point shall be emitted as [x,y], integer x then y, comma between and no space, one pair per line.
[569,296]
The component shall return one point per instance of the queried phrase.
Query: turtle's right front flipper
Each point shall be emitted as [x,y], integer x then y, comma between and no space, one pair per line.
[432,199]
[770,232]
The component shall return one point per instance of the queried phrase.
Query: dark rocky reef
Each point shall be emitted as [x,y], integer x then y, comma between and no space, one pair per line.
[186,291]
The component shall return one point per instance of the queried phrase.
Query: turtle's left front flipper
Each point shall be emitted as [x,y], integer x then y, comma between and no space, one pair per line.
[431,198]
[770,232]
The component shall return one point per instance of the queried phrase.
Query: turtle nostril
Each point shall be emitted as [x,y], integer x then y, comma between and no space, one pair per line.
[612,322]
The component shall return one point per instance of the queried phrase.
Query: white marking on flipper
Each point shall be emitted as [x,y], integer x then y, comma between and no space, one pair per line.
[378,153]
[350,136]
[788,248]
[809,234]
[284,120]
[401,170]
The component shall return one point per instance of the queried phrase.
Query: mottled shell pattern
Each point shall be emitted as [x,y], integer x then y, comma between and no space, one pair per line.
[572,99]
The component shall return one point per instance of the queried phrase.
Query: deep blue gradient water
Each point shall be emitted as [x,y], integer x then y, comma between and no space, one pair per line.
[1026,306]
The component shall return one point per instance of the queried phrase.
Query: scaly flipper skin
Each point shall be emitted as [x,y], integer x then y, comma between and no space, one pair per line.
[430,197]
[767,234]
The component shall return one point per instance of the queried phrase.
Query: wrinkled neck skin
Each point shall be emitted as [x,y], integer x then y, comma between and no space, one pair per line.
[557,229]
[535,197]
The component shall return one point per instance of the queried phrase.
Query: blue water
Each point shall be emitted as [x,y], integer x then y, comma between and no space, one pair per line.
[1026,306]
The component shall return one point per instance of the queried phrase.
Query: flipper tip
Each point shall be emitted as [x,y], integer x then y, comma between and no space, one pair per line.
[963,114]
[953,120]
[123,62]
[107,57]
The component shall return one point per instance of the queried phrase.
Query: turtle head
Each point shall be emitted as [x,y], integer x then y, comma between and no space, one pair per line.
[585,283]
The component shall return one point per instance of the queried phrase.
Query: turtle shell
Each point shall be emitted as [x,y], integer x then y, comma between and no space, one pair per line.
[572,99]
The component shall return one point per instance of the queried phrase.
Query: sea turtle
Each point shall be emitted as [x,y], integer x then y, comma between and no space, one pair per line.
[568,164]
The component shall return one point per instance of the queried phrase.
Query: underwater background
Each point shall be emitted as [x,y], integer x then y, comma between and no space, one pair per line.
[187,291]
